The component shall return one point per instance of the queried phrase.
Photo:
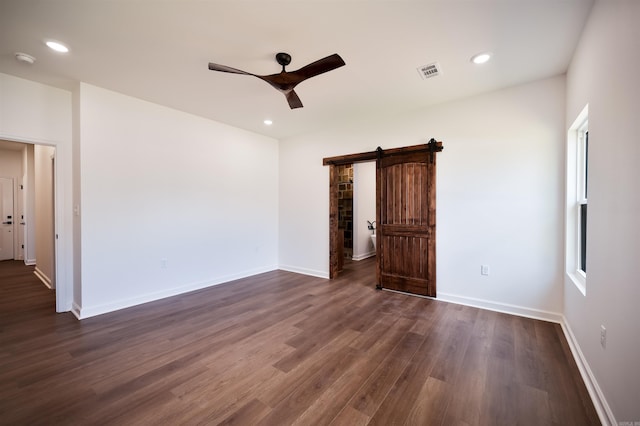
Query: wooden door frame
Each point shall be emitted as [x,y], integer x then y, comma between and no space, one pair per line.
[432,147]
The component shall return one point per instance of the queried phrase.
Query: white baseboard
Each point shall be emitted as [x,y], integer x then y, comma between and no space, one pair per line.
[364,256]
[75,310]
[43,277]
[502,307]
[599,401]
[83,312]
[29,262]
[304,271]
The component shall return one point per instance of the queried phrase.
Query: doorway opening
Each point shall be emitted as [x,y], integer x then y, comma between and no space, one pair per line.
[356,213]
[30,219]
[353,203]
[336,257]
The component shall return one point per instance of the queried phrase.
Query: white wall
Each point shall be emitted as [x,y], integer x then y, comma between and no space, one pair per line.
[77,199]
[10,163]
[170,202]
[36,113]
[364,208]
[499,200]
[604,74]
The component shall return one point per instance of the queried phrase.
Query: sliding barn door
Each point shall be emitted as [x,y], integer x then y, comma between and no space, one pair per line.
[406,221]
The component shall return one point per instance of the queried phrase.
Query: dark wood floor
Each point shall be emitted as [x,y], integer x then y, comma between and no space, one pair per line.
[279,349]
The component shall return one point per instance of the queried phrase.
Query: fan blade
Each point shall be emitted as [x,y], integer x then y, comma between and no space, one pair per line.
[320,66]
[293,99]
[224,68]
[285,80]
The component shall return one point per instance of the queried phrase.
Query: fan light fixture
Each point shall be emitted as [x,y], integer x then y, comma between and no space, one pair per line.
[57,46]
[481,58]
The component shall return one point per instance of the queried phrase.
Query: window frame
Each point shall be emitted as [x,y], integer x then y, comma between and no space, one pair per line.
[577,197]
[581,196]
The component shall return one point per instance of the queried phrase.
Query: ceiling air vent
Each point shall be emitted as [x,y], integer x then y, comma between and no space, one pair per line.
[431,70]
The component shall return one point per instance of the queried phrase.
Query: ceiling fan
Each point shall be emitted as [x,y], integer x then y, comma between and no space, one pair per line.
[286,81]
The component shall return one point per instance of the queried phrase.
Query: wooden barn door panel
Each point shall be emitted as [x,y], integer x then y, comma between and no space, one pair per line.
[406,222]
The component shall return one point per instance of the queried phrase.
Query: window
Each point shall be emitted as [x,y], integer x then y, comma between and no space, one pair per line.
[577,191]
[583,156]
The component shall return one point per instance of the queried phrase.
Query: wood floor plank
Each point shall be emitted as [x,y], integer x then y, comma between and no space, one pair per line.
[374,391]
[282,348]
[313,338]
[532,406]
[448,360]
[310,389]
[465,406]
[528,368]
[248,414]
[215,400]
[566,392]
[282,389]
[431,403]
[350,417]
[403,396]
[329,405]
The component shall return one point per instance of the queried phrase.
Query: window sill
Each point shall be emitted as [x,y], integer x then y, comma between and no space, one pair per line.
[579,279]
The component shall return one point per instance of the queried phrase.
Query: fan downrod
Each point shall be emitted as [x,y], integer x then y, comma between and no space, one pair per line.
[283,59]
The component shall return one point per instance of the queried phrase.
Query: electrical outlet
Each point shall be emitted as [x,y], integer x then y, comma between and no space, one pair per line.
[484,269]
[163,262]
[603,336]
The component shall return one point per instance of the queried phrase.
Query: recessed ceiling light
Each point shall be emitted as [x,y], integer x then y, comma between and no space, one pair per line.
[268,122]
[481,58]
[57,46]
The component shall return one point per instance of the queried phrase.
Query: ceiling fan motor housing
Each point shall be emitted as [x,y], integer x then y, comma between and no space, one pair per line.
[283,59]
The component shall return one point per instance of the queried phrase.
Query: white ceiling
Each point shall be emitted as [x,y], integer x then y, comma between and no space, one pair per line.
[158,50]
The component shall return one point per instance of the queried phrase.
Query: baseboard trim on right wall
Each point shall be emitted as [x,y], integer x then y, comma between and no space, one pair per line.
[597,397]
[501,307]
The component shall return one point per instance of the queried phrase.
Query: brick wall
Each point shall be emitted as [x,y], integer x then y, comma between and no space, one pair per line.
[345,206]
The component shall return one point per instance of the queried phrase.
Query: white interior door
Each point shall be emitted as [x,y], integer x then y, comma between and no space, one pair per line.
[7,219]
